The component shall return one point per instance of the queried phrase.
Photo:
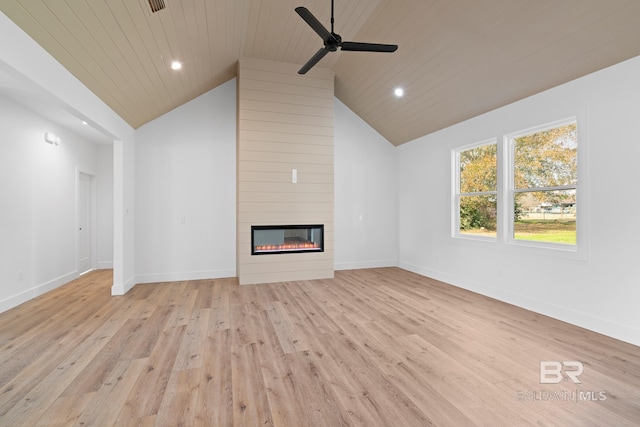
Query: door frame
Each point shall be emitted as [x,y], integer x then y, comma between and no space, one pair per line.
[92,218]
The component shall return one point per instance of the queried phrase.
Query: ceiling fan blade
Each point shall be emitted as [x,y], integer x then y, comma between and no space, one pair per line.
[313,61]
[368,47]
[314,23]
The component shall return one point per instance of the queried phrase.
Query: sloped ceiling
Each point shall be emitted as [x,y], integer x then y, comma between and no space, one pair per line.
[457,58]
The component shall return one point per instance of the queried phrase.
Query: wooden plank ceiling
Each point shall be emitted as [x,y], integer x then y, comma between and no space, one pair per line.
[457,58]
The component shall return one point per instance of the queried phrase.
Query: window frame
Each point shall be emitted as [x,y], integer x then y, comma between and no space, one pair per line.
[457,195]
[506,190]
[511,190]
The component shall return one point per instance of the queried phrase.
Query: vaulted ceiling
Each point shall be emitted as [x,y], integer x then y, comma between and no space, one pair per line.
[456,58]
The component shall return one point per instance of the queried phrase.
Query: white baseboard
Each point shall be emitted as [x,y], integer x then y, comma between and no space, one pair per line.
[22,297]
[185,275]
[357,265]
[123,288]
[104,265]
[615,330]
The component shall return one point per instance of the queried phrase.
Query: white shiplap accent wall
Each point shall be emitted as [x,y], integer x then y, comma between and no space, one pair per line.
[285,122]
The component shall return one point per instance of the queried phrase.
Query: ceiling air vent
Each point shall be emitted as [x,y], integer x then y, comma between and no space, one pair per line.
[156,5]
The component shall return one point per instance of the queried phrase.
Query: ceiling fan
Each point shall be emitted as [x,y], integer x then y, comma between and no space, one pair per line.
[333,41]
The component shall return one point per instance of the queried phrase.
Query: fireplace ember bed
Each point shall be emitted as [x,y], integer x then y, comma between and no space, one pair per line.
[285,239]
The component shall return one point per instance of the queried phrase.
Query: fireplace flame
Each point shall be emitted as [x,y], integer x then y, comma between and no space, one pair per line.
[286,247]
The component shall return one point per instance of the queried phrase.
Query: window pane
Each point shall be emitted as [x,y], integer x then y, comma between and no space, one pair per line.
[478,215]
[478,169]
[547,158]
[545,216]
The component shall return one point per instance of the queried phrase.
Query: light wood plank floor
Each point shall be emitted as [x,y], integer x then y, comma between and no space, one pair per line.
[379,347]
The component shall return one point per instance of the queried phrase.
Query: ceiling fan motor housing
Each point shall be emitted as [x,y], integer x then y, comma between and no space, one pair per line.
[333,44]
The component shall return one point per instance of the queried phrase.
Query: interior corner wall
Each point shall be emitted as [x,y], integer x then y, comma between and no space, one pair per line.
[285,122]
[600,292]
[366,190]
[185,191]
[38,185]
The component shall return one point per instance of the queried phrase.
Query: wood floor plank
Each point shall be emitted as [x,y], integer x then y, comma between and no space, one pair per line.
[401,372]
[383,402]
[93,376]
[65,411]
[37,341]
[220,310]
[241,322]
[250,402]
[313,387]
[36,402]
[373,347]
[106,404]
[290,338]
[147,336]
[182,307]
[145,397]
[204,289]
[193,345]
[179,404]
[286,408]
[311,310]
[215,400]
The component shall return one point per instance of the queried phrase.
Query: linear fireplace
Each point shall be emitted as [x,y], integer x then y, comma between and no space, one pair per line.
[281,239]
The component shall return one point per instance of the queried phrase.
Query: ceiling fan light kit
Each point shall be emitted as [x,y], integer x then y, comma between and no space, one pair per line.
[333,41]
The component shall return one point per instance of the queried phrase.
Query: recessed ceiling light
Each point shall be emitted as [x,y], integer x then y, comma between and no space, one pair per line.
[399,92]
[176,65]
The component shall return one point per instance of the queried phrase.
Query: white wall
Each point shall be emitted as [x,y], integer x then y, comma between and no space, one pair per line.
[104,203]
[38,184]
[124,262]
[599,291]
[366,180]
[186,191]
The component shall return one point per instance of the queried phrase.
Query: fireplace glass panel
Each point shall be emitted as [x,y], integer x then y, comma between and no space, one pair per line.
[277,239]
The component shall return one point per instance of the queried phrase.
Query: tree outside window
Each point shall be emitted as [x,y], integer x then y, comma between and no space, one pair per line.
[477,190]
[545,179]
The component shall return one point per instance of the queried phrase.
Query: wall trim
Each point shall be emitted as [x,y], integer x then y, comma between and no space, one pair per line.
[29,294]
[123,288]
[358,265]
[186,275]
[606,327]
[105,265]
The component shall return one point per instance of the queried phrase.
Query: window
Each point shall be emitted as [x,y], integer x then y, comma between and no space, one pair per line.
[476,190]
[544,183]
[521,192]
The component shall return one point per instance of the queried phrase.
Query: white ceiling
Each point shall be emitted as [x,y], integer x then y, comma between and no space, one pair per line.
[456,58]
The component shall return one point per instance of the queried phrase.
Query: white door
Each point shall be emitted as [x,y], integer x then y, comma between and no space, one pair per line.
[84,223]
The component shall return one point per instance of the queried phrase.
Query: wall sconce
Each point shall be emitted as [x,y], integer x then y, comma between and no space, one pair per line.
[51,138]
